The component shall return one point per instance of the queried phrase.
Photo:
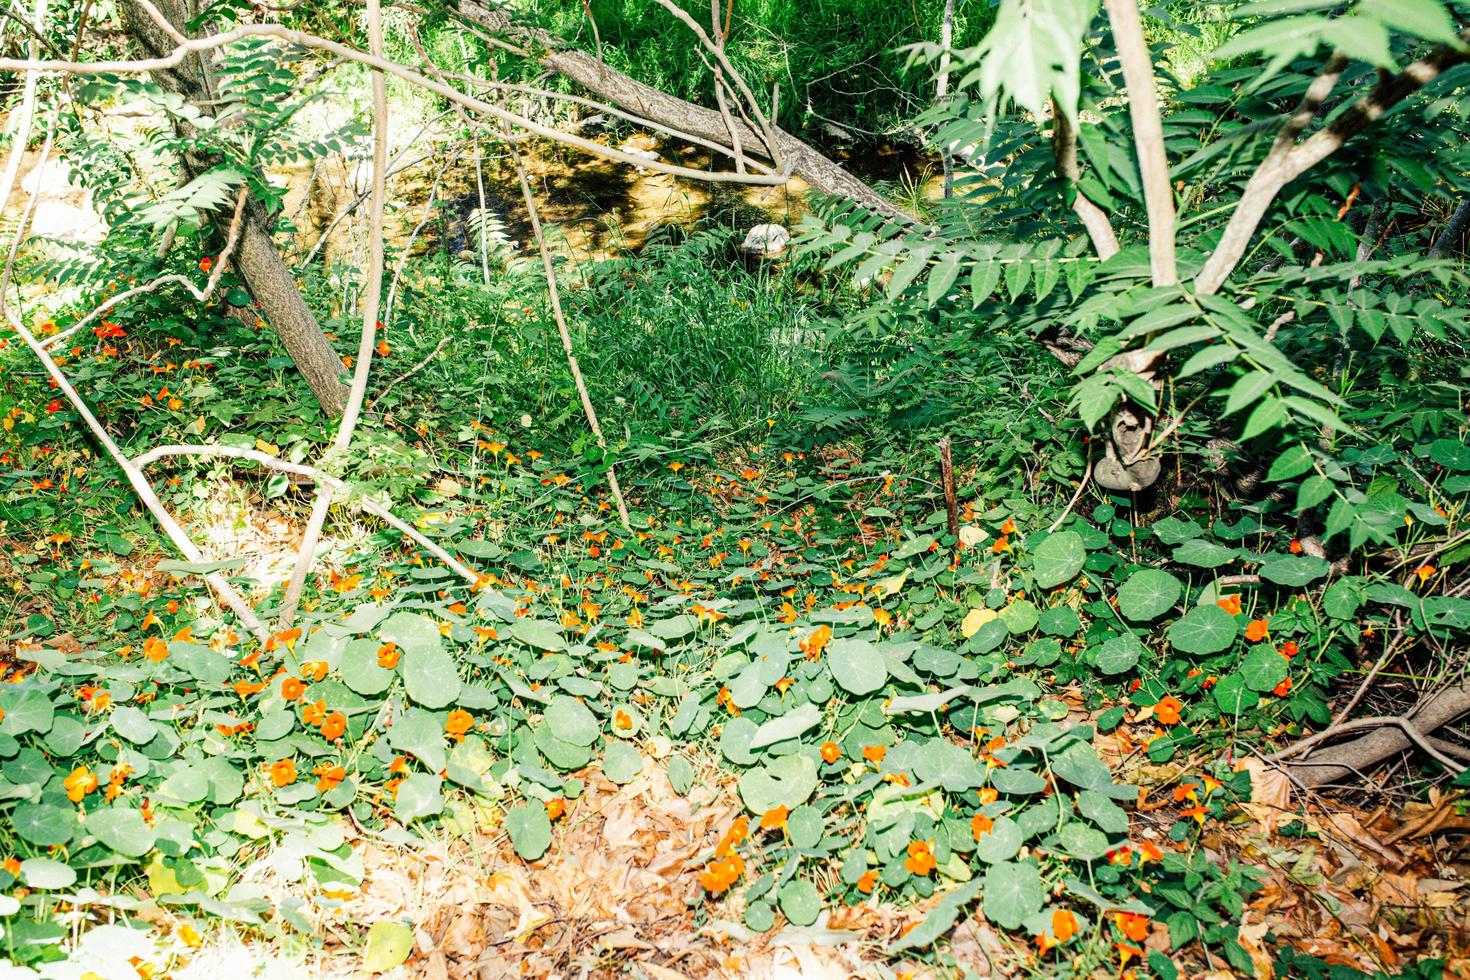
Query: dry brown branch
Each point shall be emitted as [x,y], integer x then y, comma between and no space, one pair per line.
[204,295]
[27,110]
[316,476]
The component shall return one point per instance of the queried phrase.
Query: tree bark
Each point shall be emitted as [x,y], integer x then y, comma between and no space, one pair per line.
[611,85]
[266,275]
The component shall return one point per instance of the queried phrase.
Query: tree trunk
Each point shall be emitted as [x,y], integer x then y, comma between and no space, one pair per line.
[611,85]
[259,261]
[1449,235]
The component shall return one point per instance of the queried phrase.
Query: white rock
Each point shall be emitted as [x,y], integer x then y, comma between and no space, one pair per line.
[51,180]
[767,241]
[67,223]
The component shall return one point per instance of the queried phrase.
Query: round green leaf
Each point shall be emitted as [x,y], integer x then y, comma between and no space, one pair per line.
[429,675]
[621,763]
[1057,559]
[419,795]
[1013,893]
[1001,843]
[1204,629]
[787,781]
[1263,668]
[538,633]
[46,873]
[1119,654]
[1233,696]
[759,916]
[530,830]
[360,670]
[43,824]
[1148,594]
[123,829]
[1082,841]
[571,721]
[856,666]
[800,901]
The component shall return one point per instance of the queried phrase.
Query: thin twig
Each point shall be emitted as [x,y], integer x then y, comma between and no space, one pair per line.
[566,340]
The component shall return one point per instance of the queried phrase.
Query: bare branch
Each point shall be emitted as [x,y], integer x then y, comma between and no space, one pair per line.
[202,295]
[1148,136]
[1289,159]
[566,341]
[372,299]
[301,39]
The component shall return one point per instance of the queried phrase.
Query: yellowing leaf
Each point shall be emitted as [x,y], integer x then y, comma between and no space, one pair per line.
[891,585]
[161,878]
[270,449]
[970,535]
[388,945]
[974,619]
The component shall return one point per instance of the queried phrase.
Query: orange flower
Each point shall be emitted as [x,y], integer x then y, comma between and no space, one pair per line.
[334,726]
[813,645]
[155,649]
[555,807]
[883,618]
[12,866]
[314,714]
[775,819]
[1063,924]
[1167,710]
[1000,545]
[291,689]
[1134,926]
[1009,527]
[330,777]
[283,772]
[830,752]
[1425,573]
[388,655]
[383,349]
[1255,631]
[867,882]
[739,830]
[314,670]
[875,753]
[989,795]
[1295,547]
[1230,604]
[246,688]
[459,722]
[1126,953]
[721,873]
[622,720]
[1199,813]
[81,782]
[980,825]
[1280,689]
[921,859]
